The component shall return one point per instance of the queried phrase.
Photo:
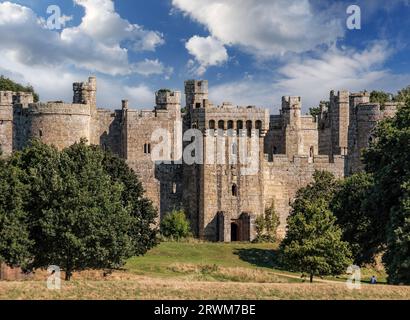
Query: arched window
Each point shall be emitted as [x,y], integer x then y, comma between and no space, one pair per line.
[234,190]
[239,124]
[221,124]
[230,124]
[149,147]
[258,125]
[40,133]
[194,126]
[275,150]
[311,152]
[174,188]
[249,128]
[145,148]
[234,147]
[212,124]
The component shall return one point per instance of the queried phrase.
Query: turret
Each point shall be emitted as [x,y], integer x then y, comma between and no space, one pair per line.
[291,110]
[196,93]
[166,99]
[86,92]
[291,117]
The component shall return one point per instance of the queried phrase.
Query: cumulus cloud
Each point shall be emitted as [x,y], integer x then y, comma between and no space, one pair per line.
[207,52]
[95,44]
[54,83]
[313,78]
[336,69]
[265,28]
[152,67]
[51,60]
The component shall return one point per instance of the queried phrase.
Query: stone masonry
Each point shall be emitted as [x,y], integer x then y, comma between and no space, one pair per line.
[220,200]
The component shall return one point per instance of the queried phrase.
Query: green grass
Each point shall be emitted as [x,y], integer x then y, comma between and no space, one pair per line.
[208,261]
[221,262]
[200,270]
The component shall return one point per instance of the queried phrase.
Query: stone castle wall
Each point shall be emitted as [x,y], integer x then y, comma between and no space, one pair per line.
[221,201]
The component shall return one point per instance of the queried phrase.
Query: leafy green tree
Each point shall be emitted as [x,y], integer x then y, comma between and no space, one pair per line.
[313,242]
[80,215]
[380,97]
[315,111]
[403,95]
[9,85]
[355,209]
[388,160]
[397,257]
[143,230]
[267,225]
[14,236]
[175,225]
[323,187]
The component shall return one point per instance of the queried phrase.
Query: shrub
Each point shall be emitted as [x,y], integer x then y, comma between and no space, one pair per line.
[175,225]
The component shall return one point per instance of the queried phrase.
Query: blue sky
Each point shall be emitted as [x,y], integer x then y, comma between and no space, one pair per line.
[251,51]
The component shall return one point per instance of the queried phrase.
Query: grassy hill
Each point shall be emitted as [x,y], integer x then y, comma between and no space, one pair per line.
[200,270]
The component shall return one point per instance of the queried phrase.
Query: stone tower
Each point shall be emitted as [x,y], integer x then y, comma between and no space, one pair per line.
[86,92]
[339,118]
[196,93]
[291,116]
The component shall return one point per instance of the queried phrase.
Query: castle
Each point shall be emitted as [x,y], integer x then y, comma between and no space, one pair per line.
[221,201]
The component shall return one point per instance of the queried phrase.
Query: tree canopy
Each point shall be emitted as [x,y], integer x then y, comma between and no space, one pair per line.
[82,208]
[313,242]
[387,159]
[7,84]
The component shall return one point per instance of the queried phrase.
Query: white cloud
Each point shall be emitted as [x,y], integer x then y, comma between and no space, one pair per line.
[207,52]
[51,61]
[54,83]
[152,67]
[336,69]
[95,44]
[265,28]
[313,78]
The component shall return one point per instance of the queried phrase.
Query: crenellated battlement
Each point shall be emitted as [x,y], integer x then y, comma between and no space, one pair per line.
[58,108]
[165,97]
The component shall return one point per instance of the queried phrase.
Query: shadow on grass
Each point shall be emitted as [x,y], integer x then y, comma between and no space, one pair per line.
[266,258]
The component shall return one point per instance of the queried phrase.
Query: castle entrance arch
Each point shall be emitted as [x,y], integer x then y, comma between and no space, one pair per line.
[234,231]
[240,228]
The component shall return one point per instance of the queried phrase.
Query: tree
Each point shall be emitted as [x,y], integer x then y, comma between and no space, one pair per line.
[14,237]
[143,231]
[397,257]
[9,85]
[403,95]
[79,213]
[380,97]
[323,187]
[175,225]
[313,242]
[389,162]
[355,209]
[267,225]
[314,112]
